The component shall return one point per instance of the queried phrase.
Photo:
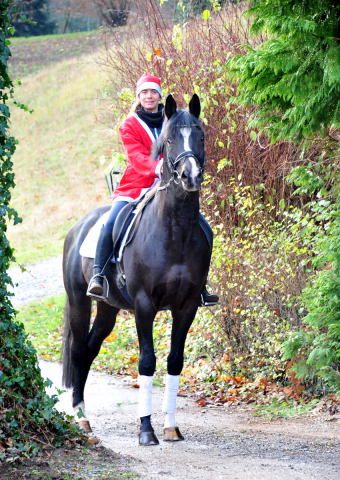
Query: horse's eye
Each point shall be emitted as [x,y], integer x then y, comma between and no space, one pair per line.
[169,141]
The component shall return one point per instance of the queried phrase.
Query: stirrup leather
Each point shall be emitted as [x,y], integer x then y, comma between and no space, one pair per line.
[105,289]
[208,304]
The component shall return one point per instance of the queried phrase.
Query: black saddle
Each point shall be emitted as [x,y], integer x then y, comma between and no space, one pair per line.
[122,223]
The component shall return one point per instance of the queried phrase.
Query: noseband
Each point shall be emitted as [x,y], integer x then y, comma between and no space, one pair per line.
[172,163]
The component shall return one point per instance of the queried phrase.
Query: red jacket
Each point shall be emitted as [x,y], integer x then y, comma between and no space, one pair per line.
[142,173]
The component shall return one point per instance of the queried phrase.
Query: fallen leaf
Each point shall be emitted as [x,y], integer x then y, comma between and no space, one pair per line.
[111,337]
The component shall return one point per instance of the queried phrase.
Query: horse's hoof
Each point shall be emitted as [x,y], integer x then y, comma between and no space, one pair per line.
[148,438]
[172,434]
[85,424]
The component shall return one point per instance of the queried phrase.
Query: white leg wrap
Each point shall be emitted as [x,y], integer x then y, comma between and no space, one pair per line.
[170,420]
[76,409]
[145,395]
[171,390]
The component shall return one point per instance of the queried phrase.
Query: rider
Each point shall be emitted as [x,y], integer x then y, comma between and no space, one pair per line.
[138,132]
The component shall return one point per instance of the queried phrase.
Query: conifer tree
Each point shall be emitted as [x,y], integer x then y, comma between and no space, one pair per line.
[294,76]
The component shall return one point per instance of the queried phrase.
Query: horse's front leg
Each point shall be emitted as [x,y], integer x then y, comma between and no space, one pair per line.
[145,314]
[182,321]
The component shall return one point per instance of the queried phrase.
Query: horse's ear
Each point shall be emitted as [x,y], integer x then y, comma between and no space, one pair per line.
[170,106]
[195,106]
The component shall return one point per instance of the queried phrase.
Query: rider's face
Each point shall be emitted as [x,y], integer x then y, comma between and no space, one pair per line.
[149,99]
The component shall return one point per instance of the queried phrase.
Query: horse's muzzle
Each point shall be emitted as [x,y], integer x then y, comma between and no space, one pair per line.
[191,175]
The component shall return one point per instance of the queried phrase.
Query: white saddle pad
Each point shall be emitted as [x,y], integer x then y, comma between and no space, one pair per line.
[89,245]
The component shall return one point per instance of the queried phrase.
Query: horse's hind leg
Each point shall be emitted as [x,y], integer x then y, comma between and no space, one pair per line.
[102,327]
[180,326]
[75,338]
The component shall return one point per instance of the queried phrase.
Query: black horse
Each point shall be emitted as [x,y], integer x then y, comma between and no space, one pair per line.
[166,267]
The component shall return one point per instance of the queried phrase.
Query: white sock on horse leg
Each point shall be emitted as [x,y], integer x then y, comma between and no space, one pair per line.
[169,401]
[145,395]
[76,409]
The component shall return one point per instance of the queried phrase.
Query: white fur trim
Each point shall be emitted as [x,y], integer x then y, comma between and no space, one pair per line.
[146,128]
[158,169]
[170,396]
[147,86]
[145,395]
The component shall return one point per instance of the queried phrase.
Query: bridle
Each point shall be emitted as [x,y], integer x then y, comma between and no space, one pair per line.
[172,162]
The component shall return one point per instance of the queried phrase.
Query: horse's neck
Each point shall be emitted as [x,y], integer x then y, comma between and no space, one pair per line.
[178,211]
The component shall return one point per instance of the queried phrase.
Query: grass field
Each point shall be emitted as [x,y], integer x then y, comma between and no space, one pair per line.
[58,166]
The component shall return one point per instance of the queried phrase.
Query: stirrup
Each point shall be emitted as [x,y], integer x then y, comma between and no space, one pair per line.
[209,304]
[99,297]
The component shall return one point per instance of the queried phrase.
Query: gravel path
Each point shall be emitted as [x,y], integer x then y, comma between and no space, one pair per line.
[39,280]
[220,443]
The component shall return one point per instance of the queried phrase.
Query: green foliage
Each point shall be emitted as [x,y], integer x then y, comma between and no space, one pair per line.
[28,418]
[260,267]
[316,347]
[7,148]
[283,409]
[25,410]
[294,76]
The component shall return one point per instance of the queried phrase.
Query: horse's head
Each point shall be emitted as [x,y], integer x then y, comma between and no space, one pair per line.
[183,145]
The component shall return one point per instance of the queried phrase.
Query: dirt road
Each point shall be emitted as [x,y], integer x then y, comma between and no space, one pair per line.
[220,443]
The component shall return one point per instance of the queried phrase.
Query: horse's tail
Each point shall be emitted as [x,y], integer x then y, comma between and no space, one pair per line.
[68,371]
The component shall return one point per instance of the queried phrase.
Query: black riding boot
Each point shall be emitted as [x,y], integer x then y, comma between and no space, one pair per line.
[207,298]
[102,259]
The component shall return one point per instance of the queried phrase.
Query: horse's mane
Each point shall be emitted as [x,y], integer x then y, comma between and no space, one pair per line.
[180,119]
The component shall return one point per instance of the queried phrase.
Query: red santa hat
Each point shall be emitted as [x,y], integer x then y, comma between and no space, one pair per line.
[148,81]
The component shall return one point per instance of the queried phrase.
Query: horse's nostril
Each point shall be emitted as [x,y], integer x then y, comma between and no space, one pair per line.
[184,176]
